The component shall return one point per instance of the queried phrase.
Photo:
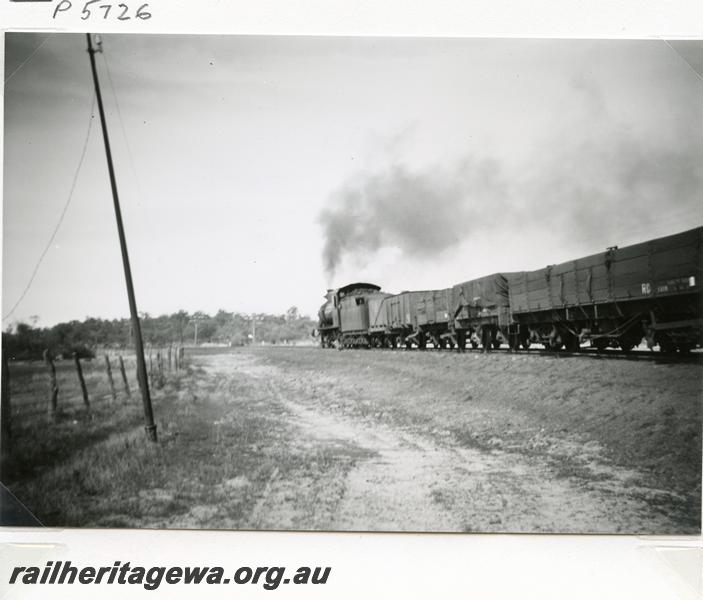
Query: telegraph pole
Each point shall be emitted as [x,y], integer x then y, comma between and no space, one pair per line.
[136,327]
[195,321]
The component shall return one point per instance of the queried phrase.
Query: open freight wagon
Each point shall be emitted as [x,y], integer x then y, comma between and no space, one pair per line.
[615,298]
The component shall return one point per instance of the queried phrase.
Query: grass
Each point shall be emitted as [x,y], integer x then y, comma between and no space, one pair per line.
[221,446]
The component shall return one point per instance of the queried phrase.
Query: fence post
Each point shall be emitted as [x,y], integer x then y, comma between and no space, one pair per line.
[160,368]
[79,370]
[113,392]
[5,415]
[124,378]
[54,386]
[156,377]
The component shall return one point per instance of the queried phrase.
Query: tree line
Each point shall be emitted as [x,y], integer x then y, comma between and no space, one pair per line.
[26,341]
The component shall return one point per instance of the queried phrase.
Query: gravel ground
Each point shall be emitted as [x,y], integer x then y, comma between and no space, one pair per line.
[486,443]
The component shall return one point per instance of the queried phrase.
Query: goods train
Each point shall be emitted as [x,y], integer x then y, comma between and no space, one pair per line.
[618,298]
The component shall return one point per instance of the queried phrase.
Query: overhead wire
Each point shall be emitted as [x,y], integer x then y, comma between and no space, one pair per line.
[75,177]
[685,60]
[61,216]
[122,127]
[130,156]
[26,60]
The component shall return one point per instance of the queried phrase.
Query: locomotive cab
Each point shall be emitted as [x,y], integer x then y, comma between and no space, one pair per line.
[344,317]
[353,307]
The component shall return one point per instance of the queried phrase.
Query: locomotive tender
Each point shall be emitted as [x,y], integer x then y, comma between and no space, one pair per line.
[614,299]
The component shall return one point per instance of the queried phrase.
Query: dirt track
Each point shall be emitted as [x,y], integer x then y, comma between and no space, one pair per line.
[407,479]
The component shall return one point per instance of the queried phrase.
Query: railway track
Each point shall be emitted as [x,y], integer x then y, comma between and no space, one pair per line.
[656,356]
[695,357]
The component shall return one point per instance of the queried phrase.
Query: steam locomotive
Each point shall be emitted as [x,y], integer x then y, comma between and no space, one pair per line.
[615,299]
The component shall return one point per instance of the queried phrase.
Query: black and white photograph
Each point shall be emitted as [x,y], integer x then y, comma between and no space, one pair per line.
[376,284]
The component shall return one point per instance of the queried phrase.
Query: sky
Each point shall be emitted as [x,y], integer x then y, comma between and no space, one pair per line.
[256,172]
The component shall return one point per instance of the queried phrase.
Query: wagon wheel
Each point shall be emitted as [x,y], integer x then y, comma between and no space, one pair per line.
[486,340]
[460,341]
[601,344]
[667,347]
[571,343]
[628,342]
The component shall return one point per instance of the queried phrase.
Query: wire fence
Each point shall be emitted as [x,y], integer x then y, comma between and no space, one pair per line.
[61,386]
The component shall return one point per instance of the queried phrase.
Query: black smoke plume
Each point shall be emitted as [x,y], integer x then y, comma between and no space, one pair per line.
[421,213]
[607,181]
